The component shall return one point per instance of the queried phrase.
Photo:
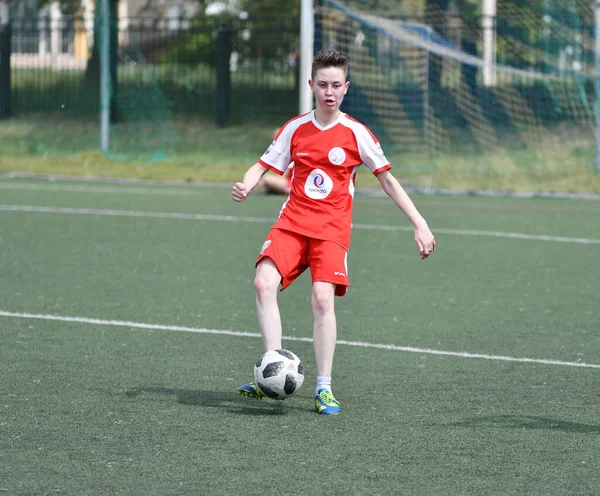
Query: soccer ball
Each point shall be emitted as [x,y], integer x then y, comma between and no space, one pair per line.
[279,374]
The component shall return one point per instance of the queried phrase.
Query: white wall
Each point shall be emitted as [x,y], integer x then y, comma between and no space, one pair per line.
[3,12]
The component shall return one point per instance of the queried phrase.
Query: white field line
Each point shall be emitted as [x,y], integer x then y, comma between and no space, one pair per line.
[265,220]
[373,191]
[359,344]
[101,189]
[370,195]
[111,180]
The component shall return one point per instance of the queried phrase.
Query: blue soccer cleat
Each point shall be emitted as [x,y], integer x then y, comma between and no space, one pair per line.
[326,404]
[251,391]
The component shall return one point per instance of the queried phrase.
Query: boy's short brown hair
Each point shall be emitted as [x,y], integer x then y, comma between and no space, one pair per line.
[329,58]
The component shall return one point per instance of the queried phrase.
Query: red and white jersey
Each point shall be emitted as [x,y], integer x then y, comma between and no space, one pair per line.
[325,163]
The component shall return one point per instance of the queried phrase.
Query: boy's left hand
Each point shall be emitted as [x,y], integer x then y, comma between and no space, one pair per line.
[425,242]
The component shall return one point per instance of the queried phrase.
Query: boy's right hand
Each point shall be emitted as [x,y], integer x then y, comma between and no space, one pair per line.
[240,192]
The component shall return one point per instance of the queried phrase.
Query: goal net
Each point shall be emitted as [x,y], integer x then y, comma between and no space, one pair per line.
[441,122]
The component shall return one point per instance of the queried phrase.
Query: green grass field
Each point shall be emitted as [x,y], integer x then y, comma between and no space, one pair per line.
[127,319]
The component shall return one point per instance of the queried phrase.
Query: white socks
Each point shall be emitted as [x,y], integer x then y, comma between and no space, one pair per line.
[323,383]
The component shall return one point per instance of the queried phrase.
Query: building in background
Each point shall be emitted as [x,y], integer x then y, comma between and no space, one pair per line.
[45,37]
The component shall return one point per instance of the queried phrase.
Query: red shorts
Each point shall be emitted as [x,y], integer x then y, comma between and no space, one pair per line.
[293,253]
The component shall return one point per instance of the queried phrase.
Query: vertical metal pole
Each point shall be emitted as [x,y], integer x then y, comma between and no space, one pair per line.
[426,103]
[307,41]
[105,82]
[5,85]
[223,48]
[488,23]
[597,85]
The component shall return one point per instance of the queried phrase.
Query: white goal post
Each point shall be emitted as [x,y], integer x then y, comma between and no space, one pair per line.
[307,31]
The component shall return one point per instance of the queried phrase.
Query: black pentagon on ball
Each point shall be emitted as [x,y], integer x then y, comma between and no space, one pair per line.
[267,391]
[272,369]
[290,384]
[286,354]
[300,368]
[259,361]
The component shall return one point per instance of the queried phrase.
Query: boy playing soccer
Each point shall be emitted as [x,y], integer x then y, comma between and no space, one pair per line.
[315,223]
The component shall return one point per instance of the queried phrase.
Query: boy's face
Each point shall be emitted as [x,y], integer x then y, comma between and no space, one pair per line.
[329,86]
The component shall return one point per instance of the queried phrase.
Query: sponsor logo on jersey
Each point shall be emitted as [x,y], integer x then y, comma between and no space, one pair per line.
[302,154]
[337,156]
[271,146]
[318,185]
[265,245]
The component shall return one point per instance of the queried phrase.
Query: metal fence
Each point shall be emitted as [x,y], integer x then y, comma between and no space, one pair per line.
[55,66]
[5,72]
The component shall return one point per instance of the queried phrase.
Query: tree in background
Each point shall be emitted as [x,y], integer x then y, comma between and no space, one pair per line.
[282,50]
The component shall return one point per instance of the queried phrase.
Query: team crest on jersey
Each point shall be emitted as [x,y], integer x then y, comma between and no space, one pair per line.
[265,245]
[318,185]
[337,156]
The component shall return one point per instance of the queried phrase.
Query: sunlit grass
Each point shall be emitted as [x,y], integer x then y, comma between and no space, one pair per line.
[193,150]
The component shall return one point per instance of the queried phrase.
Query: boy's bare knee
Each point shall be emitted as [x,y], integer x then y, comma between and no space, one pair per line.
[322,298]
[267,279]
[264,285]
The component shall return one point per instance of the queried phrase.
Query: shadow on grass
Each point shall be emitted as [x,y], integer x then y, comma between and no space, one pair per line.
[529,422]
[229,401]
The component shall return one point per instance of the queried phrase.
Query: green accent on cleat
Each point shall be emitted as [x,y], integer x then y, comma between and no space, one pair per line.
[326,404]
[251,391]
